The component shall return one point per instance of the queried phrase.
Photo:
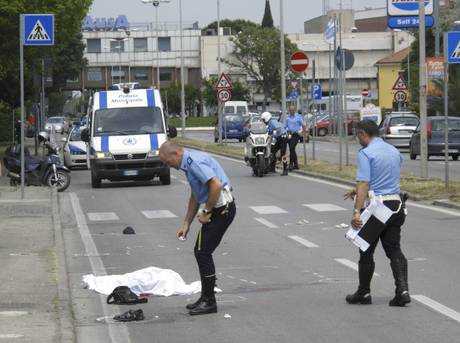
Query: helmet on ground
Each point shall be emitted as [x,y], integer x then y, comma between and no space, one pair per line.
[266,116]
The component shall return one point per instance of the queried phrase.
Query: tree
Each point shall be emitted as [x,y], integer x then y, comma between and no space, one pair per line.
[172,97]
[257,54]
[237,25]
[267,20]
[67,54]
[209,93]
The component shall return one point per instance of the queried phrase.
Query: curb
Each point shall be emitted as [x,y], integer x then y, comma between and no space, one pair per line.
[439,203]
[65,320]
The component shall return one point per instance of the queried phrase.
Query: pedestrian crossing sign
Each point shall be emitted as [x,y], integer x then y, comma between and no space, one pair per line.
[37,29]
[224,82]
[453,47]
[400,84]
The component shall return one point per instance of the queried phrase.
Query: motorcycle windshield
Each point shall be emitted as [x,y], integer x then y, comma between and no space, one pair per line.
[258,128]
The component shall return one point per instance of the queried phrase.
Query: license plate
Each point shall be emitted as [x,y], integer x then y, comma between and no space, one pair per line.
[451,151]
[233,131]
[130,173]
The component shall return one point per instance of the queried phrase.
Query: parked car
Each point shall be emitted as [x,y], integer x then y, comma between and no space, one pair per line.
[58,123]
[74,149]
[435,132]
[233,127]
[398,127]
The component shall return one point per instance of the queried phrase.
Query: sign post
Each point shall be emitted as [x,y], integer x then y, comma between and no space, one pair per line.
[299,64]
[34,30]
[451,56]
[224,93]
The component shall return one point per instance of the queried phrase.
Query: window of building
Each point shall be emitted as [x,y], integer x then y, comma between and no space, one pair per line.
[94,74]
[166,74]
[140,74]
[117,46]
[93,45]
[164,43]
[140,44]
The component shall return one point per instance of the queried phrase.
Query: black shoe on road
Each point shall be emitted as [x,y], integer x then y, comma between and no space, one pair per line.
[205,306]
[194,305]
[359,297]
[400,300]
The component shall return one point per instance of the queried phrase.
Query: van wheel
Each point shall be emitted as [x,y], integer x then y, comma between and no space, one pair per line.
[165,178]
[95,181]
[413,156]
[322,132]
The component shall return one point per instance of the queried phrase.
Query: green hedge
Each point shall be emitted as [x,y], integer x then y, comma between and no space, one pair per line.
[193,121]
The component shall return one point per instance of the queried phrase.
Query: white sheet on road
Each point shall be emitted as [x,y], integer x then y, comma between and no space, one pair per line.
[151,280]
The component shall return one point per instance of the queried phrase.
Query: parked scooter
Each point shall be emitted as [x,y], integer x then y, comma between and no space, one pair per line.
[49,171]
[258,149]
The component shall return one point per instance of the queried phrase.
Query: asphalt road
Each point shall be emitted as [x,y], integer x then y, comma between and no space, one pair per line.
[284,269]
[328,151]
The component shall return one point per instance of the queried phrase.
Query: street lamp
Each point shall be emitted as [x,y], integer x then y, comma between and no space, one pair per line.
[156,4]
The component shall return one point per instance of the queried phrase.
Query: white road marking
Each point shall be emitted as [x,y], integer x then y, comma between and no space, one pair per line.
[342,186]
[268,209]
[434,305]
[304,242]
[118,333]
[350,264]
[324,207]
[102,216]
[10,335]
[13,313]
[266,223]
[158,214]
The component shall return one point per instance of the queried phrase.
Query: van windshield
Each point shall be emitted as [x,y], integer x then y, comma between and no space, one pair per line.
[241,110]
[128,120]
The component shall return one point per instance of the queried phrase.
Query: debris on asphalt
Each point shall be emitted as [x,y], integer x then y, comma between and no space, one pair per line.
[342,226]
[129,231]
[227,316]
[130,316]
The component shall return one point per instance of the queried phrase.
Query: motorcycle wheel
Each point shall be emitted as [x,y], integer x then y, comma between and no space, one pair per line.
[260,166]
[61,182]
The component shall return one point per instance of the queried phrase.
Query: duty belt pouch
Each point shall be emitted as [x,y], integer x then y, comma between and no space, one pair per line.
[122,295]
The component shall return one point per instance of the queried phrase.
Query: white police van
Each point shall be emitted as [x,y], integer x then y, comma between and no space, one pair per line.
[126,129]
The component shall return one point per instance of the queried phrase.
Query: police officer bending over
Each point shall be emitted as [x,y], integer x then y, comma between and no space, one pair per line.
[379,165]
[212,199]
[295,128]
[277,131]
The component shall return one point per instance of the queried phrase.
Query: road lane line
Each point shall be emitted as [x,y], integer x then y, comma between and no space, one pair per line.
[350,264]
[267,223]
[434,305]
[304,242]
[118,333]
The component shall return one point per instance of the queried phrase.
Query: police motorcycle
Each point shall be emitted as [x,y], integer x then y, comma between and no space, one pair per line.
[258,149]
[49,171]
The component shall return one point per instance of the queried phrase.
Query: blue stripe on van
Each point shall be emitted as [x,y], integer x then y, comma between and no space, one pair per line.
[150,98]
[102,100]
[153,141]
[105,143]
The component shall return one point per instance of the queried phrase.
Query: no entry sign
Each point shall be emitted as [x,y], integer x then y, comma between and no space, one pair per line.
[299,62]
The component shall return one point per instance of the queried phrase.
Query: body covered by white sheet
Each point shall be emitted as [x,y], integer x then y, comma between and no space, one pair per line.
[151,280]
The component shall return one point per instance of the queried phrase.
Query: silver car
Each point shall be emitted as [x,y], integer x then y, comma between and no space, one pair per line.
[59,124]
[398,127]
[74,149]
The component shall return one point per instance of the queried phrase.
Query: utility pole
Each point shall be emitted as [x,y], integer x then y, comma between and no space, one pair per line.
[157,31]
[283,64]
[219,71]
[437,31]
[340,114]
[422,92]
[182,72]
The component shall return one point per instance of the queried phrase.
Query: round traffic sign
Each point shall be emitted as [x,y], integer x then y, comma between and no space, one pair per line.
[224,95]
[365,93]
[347,55]
[299,62]
[400,97]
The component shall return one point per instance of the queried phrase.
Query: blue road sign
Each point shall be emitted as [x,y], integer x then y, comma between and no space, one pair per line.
[408,7]
[410,21]
[38,29]
[316,91]
[453,47]
[293,95]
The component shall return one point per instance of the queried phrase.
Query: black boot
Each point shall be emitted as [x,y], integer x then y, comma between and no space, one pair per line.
[399,268]
[207,303]
[285,169]
[363,294]
[191,306]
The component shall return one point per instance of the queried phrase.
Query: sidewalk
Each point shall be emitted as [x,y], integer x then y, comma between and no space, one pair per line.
[34,292]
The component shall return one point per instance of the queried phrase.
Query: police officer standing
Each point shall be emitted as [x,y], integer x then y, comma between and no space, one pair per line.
[295,128]
[379,165]
[212,199]
[279,133]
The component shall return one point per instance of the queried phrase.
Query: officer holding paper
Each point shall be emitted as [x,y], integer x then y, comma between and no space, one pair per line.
[211,198]
[378,187]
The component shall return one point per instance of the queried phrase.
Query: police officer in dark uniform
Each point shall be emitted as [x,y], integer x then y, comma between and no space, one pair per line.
[378,175]
[212,199]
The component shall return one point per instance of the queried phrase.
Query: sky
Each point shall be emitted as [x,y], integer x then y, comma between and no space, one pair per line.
[205,11]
